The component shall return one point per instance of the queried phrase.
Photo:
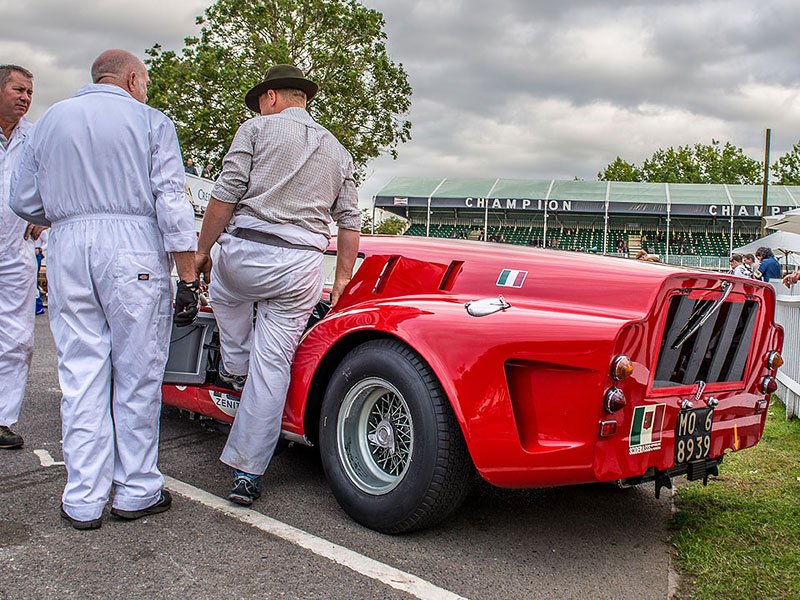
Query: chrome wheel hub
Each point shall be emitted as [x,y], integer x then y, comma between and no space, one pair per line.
[375,438]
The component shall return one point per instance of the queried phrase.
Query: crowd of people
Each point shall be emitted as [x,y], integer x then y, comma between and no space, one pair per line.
[681,243]
[191,169]
[103,173]
[762,265]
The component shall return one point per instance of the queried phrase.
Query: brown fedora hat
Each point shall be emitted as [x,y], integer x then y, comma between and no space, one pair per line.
[277,78]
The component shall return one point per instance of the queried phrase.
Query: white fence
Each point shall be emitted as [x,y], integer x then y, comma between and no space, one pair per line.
[787,313]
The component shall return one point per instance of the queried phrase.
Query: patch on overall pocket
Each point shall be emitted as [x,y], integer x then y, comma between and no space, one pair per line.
[141,278]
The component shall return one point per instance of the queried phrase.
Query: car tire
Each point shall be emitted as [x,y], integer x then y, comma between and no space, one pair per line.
[391,447]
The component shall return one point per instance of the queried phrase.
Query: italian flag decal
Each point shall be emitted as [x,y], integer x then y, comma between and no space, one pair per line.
[648,423]
[511,278]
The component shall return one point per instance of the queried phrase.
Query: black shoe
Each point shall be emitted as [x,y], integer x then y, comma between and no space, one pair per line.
[9,439]
[227,380]
[246,488]
[163,504]
[82,525]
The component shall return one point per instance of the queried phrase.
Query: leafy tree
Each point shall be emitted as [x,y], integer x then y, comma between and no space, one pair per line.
[701,163]
[672,166]
[339,44]
[391,226]
[366,220]
[786,170]
[620,170]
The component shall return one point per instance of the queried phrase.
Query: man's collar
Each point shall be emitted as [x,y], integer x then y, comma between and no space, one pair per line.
[295,112]
[20,129]
[104,88]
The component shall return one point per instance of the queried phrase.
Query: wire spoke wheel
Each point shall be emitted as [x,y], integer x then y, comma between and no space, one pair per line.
[390,444]
[376,435]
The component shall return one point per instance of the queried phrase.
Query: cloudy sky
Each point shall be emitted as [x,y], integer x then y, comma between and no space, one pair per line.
[508,88]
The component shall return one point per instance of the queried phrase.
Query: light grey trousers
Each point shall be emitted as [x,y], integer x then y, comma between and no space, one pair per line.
[286,283]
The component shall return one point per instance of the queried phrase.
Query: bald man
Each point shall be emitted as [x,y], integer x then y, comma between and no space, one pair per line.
[106,171]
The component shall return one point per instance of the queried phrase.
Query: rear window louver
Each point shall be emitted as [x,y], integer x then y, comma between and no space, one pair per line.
[716,352]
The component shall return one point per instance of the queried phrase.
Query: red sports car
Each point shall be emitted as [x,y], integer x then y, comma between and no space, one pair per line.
[532,367]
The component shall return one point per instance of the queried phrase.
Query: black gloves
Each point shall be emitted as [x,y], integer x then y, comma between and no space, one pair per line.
[186,302]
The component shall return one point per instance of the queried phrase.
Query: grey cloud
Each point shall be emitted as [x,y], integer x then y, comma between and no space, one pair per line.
[511,88]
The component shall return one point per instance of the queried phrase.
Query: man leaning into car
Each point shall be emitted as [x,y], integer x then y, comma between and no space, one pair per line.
[283,180]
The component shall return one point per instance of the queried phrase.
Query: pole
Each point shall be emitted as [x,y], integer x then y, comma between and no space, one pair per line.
[428,220]
[730,246]
[544,230]
[605,220]
[766,184]
[669,214]
[486,222]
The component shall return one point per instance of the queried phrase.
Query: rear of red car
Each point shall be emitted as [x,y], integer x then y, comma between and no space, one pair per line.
[594,369]
[690,381]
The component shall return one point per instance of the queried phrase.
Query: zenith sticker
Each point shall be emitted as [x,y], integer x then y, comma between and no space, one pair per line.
[225,402]
[646,429]
[511,278]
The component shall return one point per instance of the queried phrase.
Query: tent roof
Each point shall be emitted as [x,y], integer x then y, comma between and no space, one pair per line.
[591,191]
[783,242]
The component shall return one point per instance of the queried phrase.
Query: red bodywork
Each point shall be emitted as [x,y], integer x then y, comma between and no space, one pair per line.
[527,384]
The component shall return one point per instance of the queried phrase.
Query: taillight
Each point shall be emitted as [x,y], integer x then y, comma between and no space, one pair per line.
[769,385]
[774,360]
[608,428]
[615,400]
[621,368]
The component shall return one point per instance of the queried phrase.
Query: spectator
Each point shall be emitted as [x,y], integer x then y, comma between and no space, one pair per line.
[738,268]
[643,255]
[749,261]
[792,278]
[17,262]
[768,265]
[39,247]
[208,171]
[189,167]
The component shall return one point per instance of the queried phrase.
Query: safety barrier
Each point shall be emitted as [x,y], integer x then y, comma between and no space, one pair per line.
[787,313]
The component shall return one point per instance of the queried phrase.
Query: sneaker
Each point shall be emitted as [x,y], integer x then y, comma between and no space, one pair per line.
[246,488]
[163,504]
[230,381]
[9,439]
[82,525]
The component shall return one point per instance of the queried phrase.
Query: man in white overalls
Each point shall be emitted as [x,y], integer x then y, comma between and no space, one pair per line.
[17,260]
[105,169]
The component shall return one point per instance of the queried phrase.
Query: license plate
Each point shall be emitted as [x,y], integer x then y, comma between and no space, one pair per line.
[693,435]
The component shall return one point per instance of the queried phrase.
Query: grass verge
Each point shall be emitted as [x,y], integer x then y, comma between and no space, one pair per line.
[740,536]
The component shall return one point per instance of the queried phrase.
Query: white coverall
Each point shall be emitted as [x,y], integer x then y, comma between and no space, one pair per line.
[106,171]
[18,277]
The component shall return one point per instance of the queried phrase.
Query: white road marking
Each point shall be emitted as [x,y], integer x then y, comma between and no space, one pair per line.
[400,580]
[46,458]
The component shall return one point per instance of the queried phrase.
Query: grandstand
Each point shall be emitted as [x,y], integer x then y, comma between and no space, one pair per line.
[692,224]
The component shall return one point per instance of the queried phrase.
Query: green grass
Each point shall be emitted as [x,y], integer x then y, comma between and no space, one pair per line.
[740,536]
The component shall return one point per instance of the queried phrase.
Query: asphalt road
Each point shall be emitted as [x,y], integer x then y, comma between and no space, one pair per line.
[576,542]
